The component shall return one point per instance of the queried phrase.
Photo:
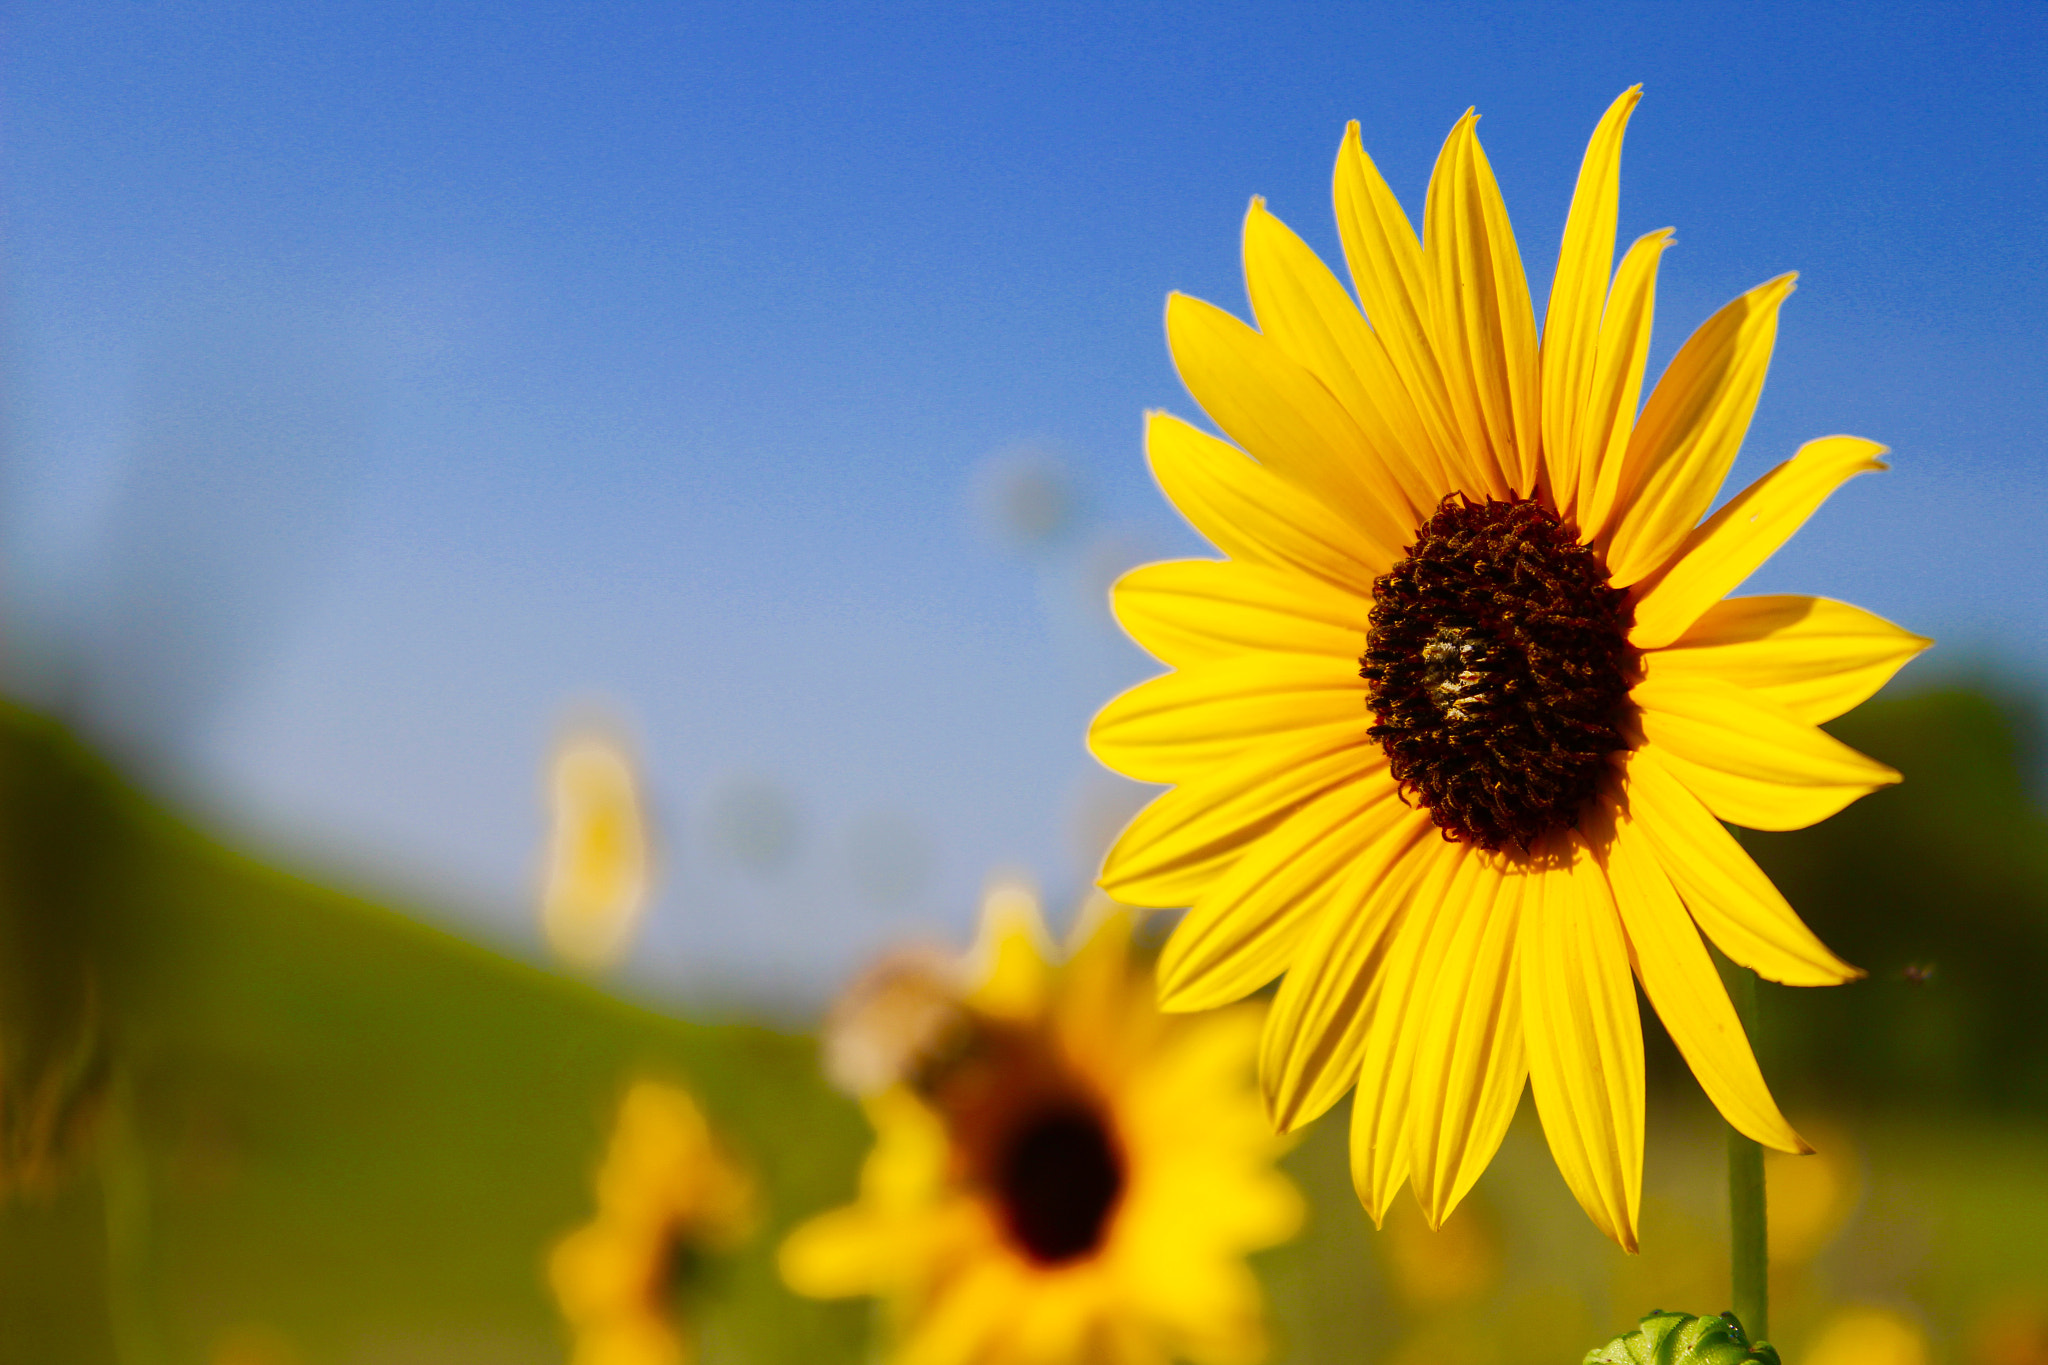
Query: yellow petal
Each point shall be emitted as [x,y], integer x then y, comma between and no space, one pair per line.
[1204,1060]
[1196,611]
[1379,1147]
[600,1270]
[1733,901]
[906,1169]
[1287,420]
[1095,1000]
[1310,1052]
[1009,968]
[1750,760]
[838,1254]
[1690,431]
[1300,305]
[1205,1306]
[1682,983]
[1171,728]
[1578,293]
[1483,324]
[1387,271]
[1744,533]
[1609,415]
[1585,1039]
[961,1323]
[1470,1059]
[645,1337]
[1048,1328]
[1185,839]
[1249,512]
[1811,655]
[1244,929]
[1381,1111]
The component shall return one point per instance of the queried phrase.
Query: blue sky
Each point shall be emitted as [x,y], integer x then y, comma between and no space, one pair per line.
[384,384]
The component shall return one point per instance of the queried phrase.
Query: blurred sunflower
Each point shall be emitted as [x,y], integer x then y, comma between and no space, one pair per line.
[598,860]
[667,1194]
[1458,846]
[1060,1173]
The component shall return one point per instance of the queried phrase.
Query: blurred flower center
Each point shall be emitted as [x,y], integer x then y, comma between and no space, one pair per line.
[1027,1132]
[1498,666]
[1057,1181]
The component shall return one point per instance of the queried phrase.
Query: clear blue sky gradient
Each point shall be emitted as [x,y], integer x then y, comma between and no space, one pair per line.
[385,380]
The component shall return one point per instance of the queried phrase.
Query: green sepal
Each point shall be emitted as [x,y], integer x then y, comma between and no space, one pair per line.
[1682,1339]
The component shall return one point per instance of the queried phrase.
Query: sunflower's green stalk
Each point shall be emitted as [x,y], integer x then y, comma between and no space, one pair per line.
[1748,1242]
[124,1195]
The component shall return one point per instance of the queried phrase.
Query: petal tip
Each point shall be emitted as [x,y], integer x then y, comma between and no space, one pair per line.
[1125,887]
[1179,991]
[1283,1111]
[1624,104]
[1376,1205]
[1269,1098]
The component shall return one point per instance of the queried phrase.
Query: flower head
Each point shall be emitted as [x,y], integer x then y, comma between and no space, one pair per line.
[1060,1173]
[1453,726]
[667,1194]
[598,858]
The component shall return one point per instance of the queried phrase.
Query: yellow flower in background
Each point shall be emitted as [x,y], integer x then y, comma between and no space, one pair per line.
[253,1344]
[1062,1174]
[668,1192]
[597,874]
[1460,846]
[2011,1330]
[1867,1335]
[1811,1197]
[1435,1267]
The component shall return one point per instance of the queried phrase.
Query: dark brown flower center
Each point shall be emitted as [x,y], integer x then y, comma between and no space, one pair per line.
[1057,1181]
[1498,667]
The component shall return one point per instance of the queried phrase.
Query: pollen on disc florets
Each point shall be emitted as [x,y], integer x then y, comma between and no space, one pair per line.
[1498,668]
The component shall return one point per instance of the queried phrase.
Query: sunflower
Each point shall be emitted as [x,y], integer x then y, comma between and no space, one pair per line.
[1453,726]
[668,1193]
[597,875]
[1063,1174]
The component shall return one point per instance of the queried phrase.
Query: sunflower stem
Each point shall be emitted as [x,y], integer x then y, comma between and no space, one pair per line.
[125,1199]
[1748,1241]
